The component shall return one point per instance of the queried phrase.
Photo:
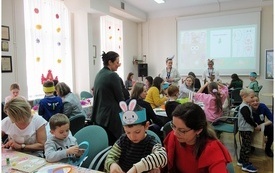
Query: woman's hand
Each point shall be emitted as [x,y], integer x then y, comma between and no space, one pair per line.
[115,168]
[13,144]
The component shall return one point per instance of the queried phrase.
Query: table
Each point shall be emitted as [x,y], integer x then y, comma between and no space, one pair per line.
[21,161]
[272,99]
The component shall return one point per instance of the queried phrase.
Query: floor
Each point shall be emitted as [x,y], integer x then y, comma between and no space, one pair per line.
[263,163]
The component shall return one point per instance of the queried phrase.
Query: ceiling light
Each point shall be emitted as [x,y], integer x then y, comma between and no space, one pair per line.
[159,1]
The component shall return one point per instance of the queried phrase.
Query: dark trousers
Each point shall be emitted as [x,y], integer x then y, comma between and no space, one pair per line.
[245,147]
[268,131]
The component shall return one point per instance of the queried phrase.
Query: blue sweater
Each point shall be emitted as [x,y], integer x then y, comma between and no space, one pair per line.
[262,110]
[49,106]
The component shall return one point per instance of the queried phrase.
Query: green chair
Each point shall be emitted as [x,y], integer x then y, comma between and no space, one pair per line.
[230,167]
[228,124]
[154,134]
[77,122]
[97,138]
[85,95]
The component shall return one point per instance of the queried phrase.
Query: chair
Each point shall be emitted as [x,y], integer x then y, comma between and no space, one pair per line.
[154,134]
[166,129]
[77,122]
[97,138]
[228,124]
[235,98]
[85,94]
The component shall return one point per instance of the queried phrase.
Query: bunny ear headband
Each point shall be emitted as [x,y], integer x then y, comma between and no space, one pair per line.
[211,60]
[130,117]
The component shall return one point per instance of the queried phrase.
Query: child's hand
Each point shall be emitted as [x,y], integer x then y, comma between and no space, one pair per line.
[132,170]
[258,128]
[157,170]
[72,150]
[80,152]
[115,168]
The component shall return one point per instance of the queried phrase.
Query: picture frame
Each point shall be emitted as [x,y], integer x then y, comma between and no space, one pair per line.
[94,51]
[6,64]
[269,64]
[5,46]
[5,33]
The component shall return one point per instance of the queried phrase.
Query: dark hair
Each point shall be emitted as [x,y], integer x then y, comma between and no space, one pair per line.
[129,75]
[55,81]
[172,90]
[137,90]
[58,120]
[192,74]
[111,55]
[62,88]
[194,118]
[48,84]
[157,82]
[150,80]
[235,77]
[214,86]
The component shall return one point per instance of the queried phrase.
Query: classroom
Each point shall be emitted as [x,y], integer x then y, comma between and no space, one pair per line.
[147,38]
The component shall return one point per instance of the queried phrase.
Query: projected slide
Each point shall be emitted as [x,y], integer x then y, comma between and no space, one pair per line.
[231,38]
[231,48]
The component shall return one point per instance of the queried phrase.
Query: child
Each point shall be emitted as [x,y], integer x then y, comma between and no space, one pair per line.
[171,104]
[135,151]
[260,111]
[254,83]
[60,145]
[14,89]
[50,104]
[213,101]
[246,127]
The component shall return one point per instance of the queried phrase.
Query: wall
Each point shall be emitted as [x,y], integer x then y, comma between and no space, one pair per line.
[159,41]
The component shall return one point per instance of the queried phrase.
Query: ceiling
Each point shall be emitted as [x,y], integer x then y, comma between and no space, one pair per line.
[150,6]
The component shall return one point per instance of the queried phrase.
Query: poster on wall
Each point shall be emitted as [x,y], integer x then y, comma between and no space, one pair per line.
[269,64]
[6,64]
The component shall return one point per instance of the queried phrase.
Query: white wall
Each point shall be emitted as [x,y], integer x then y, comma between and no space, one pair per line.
[159,42]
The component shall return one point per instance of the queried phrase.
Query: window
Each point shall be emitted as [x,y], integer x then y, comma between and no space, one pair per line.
[48,43]
[112,38]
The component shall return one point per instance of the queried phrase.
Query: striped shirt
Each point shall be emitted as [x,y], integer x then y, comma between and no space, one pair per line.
[146,155]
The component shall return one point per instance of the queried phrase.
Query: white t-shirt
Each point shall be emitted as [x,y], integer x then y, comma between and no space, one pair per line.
[27,135]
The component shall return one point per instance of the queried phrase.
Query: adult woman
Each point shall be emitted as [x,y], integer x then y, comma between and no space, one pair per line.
[71,104]
[25,132]
[193,145]
[107,95]
[197,84]
[139,93]
[213,102]
[170,74]
[186,87]
[236,82]
[210,74]
[148,82]
[153,94]
[130,81]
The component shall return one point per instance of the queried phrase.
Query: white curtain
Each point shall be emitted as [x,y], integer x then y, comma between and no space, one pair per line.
[112,38]
[48,47]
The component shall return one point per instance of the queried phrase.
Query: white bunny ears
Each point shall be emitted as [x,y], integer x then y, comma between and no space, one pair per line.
[128,116]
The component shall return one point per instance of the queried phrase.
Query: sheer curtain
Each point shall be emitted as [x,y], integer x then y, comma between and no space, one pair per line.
[47,31]
[112,38]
